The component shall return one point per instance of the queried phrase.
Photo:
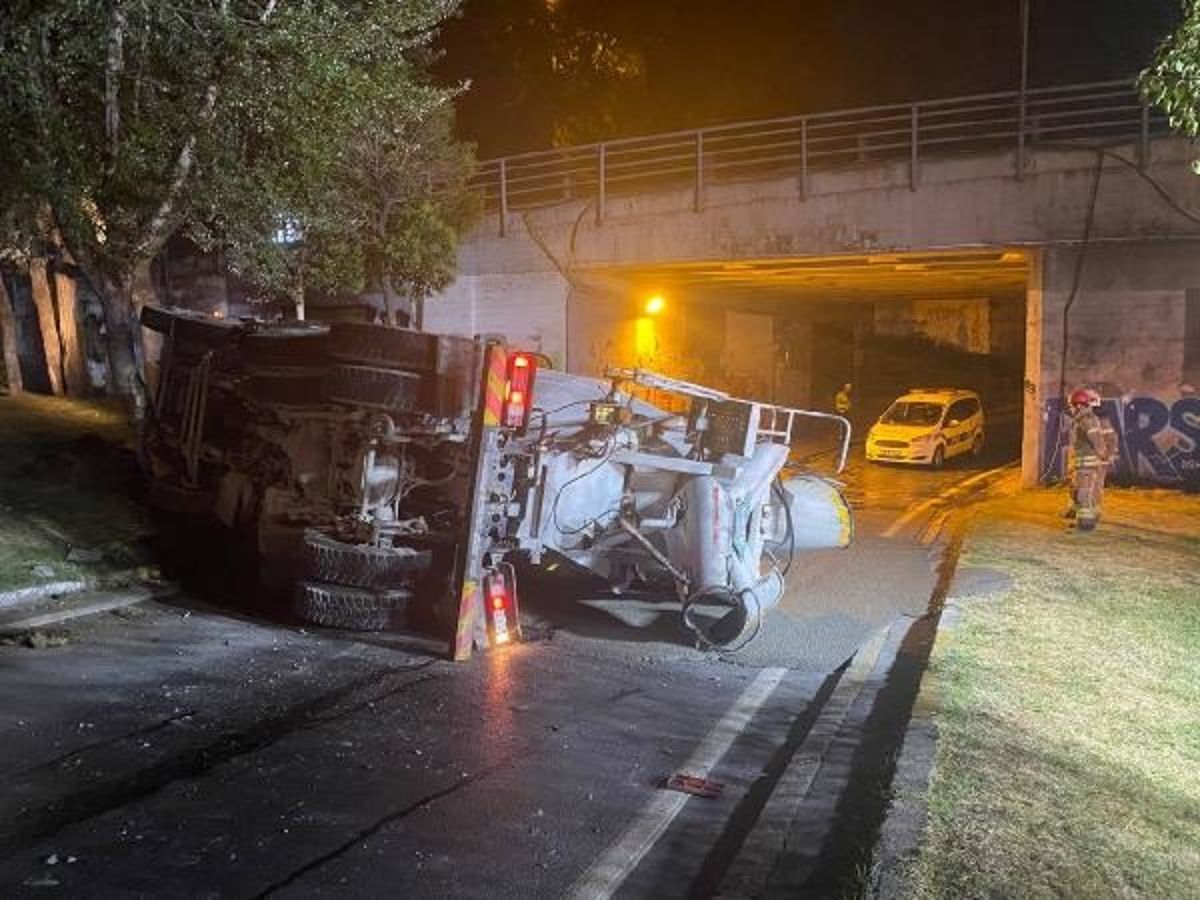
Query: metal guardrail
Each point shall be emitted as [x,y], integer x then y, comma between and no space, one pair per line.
[799,145]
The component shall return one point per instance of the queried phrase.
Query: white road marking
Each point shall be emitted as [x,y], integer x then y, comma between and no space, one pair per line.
[608,872]
[916,511]
[748,874]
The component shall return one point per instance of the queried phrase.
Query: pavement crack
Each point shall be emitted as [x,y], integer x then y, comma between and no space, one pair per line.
[191,762]
[379,824]
[369,831]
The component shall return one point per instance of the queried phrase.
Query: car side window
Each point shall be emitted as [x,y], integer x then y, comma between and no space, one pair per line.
[958,411]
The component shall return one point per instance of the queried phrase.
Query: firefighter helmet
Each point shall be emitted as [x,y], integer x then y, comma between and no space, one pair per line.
[1084,397]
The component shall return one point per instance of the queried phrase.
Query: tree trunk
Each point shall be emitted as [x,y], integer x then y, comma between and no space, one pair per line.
[8,337]
[389,299]
[145,291]
[124,379]
[74,362]
[43,301]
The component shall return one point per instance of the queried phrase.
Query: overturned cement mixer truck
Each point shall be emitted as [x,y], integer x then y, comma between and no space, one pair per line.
[391,478]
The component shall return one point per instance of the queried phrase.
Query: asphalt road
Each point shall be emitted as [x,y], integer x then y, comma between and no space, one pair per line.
[181,749]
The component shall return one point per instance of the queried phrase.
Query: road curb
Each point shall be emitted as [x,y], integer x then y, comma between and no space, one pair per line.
[38,592]
[904,825]
[761,855]
[55,609]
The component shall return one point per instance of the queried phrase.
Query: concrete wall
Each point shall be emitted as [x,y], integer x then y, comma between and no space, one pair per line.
[965,324]
[527,308]
[1006,324]
[1126,337]
[749,358]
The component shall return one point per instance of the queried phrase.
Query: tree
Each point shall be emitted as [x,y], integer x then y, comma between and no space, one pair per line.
[1172,81]
[384,213]
[407,186]
[134,119]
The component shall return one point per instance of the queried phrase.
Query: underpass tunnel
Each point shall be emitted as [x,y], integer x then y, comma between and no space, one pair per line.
[793,331]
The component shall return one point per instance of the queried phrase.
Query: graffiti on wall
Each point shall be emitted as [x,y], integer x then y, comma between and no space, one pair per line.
[1159,440]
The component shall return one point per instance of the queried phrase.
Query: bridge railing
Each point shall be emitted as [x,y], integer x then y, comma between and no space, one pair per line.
[1099,112]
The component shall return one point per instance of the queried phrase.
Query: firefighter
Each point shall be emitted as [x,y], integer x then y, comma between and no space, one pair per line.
[1093,448]
[841,400]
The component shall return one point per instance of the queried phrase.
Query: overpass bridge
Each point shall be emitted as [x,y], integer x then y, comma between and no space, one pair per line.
[1055,227]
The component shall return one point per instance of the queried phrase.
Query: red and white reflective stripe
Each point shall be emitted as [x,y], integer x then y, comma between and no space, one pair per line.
[495,385]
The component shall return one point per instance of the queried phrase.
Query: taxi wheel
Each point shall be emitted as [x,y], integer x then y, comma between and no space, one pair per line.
[939,457]
[977,445]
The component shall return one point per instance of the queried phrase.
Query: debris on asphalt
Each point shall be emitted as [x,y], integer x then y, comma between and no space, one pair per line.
[694,785]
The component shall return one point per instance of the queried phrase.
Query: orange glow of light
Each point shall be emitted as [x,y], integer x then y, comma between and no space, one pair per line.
[516,398]
[498,602]
[655,305]
[645,340]
[521,362]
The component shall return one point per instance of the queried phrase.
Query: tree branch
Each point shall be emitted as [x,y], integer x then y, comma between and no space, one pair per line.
[158,229]
[114,65]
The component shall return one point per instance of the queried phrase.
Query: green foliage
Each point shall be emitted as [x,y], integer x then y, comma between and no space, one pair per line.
[134,119]
[1172,82]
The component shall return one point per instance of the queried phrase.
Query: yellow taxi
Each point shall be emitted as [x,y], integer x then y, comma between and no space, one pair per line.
[928,426]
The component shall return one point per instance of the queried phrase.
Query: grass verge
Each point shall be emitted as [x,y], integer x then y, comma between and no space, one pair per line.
[1068,759]
[66,475]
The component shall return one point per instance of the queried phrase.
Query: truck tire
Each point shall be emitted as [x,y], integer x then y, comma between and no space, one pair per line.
[381,345]
[335,562]
[389,390]
[354,609]
[293,344]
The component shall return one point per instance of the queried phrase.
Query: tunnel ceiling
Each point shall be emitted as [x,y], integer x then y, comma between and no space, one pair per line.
[866,277]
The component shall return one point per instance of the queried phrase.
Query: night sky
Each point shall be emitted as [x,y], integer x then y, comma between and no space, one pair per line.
[568,71]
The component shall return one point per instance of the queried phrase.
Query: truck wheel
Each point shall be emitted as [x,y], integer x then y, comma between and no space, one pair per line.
[389,390]
[380,345]
[354,609]
[293,344]
[336,562]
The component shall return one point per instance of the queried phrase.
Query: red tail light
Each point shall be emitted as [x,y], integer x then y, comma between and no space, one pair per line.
[519,396]
[501,607]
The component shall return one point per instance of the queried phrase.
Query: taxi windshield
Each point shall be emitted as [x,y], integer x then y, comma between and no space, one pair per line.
[907,412]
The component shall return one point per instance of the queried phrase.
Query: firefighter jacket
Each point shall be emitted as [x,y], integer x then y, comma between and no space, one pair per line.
[1093,440]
